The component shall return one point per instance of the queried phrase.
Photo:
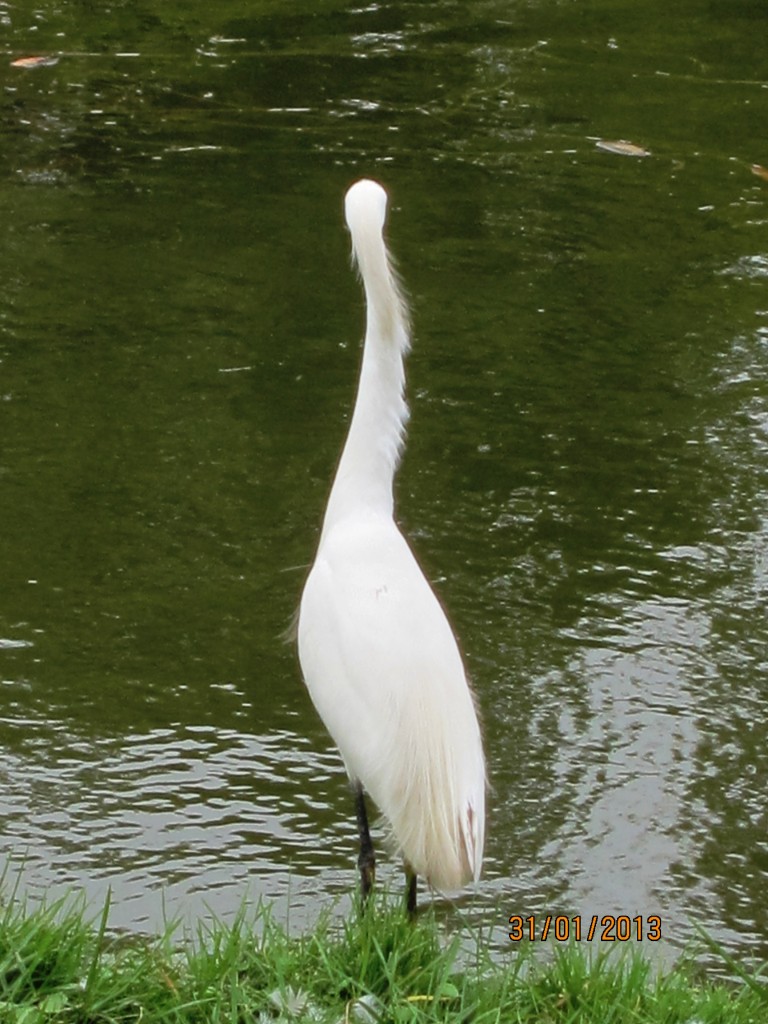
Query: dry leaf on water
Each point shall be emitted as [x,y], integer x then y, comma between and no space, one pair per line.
[621,147]
[34,62]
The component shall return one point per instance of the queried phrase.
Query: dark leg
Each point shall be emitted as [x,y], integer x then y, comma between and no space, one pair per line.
[366,860]
[410,890]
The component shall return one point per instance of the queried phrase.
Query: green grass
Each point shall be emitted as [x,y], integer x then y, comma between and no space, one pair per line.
[59,967]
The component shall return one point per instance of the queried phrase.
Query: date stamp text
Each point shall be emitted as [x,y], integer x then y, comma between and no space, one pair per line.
[606,928]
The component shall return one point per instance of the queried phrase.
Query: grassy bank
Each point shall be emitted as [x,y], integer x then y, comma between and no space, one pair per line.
[57,967]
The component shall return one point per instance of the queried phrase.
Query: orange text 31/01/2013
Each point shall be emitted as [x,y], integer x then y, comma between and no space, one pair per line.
[608,928]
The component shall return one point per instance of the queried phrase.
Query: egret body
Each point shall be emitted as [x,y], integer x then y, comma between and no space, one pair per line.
[378,655]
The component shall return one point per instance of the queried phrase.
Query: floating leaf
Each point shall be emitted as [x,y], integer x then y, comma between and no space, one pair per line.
[34,62]
[761,172]
[622,148]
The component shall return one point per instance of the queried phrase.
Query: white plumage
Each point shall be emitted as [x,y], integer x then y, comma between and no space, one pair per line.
[378,656]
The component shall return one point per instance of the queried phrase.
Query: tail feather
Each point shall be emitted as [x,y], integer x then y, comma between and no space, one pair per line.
[437,813]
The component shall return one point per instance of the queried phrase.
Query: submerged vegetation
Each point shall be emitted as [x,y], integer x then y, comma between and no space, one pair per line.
[59,967]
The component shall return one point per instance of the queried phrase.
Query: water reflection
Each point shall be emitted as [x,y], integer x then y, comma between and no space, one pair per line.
[173,819]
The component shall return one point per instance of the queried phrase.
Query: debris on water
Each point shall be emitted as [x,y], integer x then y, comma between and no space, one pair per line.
[622,147]
[34,62]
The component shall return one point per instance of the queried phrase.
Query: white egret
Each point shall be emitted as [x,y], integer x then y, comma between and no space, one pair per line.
[379,658]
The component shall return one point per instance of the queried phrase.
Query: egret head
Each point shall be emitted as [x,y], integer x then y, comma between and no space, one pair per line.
[365,206]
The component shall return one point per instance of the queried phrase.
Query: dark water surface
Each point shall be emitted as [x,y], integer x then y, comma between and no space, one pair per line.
[586,478]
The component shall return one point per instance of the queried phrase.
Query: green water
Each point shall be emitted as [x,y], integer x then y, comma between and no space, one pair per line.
[586,475]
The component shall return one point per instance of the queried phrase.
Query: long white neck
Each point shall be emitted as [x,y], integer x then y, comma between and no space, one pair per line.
[368,462]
